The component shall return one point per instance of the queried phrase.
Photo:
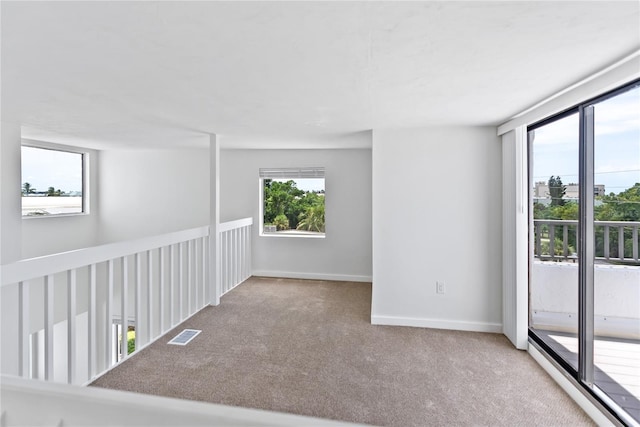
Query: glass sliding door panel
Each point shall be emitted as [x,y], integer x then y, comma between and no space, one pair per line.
[617,266]
[553,283]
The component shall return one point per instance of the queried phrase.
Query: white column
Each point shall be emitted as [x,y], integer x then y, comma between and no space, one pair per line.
[515,214]
[10,241]
[214,219]
[10,193]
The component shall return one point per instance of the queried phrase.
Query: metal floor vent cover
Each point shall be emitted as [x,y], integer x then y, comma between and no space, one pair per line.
[184,337]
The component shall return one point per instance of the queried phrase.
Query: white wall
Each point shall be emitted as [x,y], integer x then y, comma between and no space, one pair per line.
[345,252]
[437,217]
[149,192]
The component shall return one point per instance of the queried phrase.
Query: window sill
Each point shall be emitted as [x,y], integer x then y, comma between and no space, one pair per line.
[293,234]
[63,215]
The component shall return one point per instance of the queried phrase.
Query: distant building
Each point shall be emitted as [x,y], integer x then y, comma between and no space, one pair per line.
[541,191]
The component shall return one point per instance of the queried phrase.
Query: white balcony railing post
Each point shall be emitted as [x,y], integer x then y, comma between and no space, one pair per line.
[629,257]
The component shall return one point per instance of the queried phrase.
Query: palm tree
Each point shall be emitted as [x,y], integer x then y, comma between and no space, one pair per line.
[281,222]
[27,189]
[312,219]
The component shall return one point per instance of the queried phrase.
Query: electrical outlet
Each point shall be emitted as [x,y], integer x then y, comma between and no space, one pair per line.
[440,287]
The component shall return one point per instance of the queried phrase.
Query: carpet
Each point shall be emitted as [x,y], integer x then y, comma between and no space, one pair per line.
[307,347]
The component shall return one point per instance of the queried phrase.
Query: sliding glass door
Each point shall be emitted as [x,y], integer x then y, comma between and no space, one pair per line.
[554,273]
[584,264]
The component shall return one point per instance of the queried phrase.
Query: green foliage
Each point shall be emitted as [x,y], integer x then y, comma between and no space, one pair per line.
[53,192]
[557,247]
[285,199]
[131,341]
[27,189]
[556,191]
[624,206]
[567,211]
[281,222]
[312,219]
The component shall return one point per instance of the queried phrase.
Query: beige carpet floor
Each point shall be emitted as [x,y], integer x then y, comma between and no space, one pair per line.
[307,347]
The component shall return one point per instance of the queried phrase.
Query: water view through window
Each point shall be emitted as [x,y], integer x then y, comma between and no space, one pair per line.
[52,182]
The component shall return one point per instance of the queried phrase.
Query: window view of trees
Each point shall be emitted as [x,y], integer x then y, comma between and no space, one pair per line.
[27,189]
[624,206]
[288,207]
[557,191]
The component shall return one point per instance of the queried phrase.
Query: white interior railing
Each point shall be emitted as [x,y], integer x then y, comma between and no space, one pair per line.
[39,403]
[65,316]
[235,262]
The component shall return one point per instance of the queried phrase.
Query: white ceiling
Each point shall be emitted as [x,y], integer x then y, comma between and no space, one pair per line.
[271,74]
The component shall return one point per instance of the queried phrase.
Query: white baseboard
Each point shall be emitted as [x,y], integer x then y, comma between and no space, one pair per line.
[437,324]
[312,276]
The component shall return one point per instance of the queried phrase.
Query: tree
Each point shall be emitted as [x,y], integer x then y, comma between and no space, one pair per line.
[556,191]
[312,219]
[625,206]
[281,222]
[51,191]
[285,206]
[278,197]
[27,189]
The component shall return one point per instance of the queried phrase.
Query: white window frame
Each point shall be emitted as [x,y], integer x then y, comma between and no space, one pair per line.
[85,176]
[286,173]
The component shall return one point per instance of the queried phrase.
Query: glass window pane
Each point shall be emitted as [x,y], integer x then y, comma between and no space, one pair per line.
[294,207]
[52,182]
[553,282]
[617,269]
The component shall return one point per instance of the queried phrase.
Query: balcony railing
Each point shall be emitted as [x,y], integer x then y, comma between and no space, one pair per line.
[616,241]
[65,316]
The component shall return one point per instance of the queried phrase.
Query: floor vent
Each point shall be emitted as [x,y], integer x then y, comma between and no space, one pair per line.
[184,337]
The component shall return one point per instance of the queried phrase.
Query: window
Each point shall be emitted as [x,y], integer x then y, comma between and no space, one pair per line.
[52,182]
[292,202]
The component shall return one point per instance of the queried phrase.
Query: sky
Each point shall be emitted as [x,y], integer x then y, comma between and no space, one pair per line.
[49,168]
[617,145]
[307,184]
